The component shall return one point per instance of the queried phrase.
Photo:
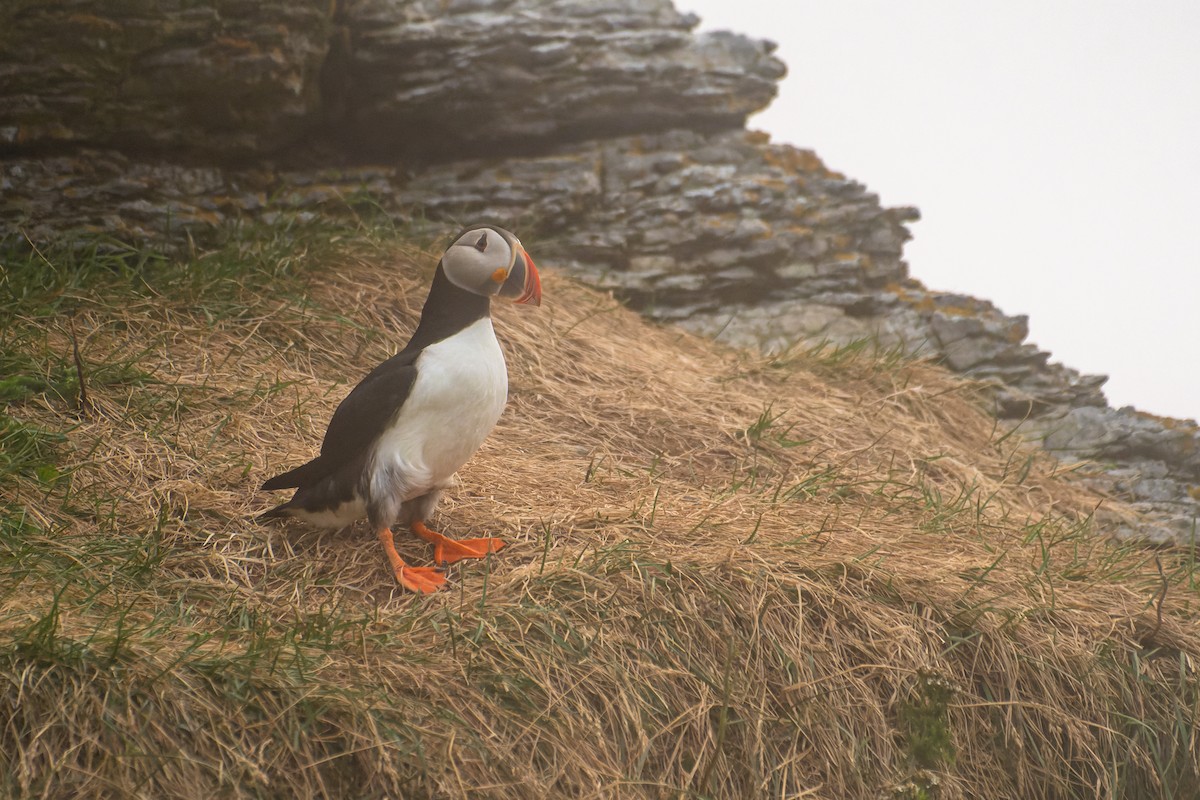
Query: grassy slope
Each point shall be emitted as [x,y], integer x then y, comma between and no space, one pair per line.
[825,575]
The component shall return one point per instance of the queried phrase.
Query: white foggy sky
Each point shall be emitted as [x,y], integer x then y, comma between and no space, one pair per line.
[1053,147]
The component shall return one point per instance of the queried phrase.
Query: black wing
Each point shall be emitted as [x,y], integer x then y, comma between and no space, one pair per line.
[358,420]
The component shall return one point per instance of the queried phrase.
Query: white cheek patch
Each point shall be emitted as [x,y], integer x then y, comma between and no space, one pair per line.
[469,268]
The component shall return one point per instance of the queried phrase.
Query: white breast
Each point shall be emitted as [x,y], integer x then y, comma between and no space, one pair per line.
[460,392]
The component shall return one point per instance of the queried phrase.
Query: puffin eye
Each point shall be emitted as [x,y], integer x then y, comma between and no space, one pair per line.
[481,245]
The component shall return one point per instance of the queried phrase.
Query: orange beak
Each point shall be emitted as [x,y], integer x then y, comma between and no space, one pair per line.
[531,285]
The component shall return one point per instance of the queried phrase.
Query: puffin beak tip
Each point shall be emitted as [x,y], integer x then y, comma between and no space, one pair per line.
[532,296]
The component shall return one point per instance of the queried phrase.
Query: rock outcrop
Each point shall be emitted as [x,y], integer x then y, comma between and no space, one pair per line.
[230,80]
[221,80]
[436,79]
[609,127]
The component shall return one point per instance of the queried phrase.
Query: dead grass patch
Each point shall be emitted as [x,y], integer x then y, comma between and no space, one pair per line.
[729,576]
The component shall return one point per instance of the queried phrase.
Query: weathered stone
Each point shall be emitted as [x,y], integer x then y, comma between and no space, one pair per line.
[652,265]
[775,327]
[967,354]
[652,202]
[1081,433]
[224,79]
[1123,434]
[1157,527]
[796,271]
[427,79]
[953,329]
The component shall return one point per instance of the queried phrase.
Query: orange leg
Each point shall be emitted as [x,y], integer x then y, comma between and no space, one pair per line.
[447,550]
[415,579]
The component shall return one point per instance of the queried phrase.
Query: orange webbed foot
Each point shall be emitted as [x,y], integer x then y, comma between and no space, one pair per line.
[451,550]
[448,551]
[424,580]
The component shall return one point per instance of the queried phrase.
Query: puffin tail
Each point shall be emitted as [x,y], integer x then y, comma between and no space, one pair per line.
[282,511]
[305,473]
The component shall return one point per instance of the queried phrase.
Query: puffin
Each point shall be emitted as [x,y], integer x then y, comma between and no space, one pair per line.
[395,442]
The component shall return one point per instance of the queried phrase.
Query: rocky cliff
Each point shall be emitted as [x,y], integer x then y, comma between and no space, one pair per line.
[609,130]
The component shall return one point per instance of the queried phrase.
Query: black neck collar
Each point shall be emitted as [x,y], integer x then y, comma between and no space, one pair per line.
[448,310]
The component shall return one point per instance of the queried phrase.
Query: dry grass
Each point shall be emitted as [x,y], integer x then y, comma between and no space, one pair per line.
[825,575]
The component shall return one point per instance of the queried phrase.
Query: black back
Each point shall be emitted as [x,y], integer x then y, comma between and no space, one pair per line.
[370,407]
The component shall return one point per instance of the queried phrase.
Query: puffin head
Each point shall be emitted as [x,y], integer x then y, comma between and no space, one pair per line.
[490,261]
